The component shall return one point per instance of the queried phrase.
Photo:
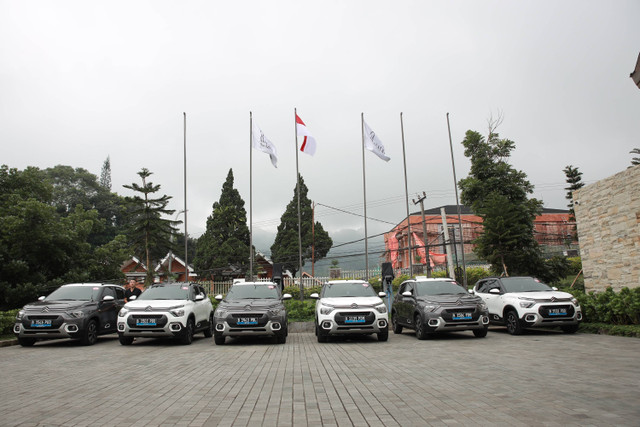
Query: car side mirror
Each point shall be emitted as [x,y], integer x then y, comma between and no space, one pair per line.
[472,292]
[407,294]
[218,297]
[494,291]
[41,298]
[132,297]
[286,296]
[108,298]
[314,295]
[199,297]
[382,294]
[554,288]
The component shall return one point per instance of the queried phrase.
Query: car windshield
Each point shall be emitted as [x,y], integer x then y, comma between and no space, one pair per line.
[252,292]
[165,292]
[75,293]
[439,287]
[524,284]
[335,290]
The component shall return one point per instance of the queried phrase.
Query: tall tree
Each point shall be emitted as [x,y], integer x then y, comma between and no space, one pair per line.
[105,174]
[498,193]
[574,179]
[149,230]
[314,238]
[224,246]
[636,160]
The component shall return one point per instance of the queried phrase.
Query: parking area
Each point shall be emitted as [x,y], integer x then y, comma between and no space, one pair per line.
[540,378]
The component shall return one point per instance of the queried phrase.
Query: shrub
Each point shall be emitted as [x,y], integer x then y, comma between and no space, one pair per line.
[294,291]
[7,319]
[300,311]
[622,308]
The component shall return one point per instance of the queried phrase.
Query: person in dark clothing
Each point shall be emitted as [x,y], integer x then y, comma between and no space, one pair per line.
[132,290]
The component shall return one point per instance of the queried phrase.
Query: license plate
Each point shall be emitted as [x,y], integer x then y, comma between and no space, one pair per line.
[247,321]
[354,319]
[462,316]
[145,322]
[41,323]
[557,312]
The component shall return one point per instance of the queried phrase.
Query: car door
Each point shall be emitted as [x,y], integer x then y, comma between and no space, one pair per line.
[492,299]
[200,306]
[108,310]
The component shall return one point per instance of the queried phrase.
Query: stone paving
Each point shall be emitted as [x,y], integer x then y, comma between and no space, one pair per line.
[541,378]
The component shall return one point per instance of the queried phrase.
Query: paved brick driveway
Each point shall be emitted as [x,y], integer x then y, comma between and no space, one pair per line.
[542,378]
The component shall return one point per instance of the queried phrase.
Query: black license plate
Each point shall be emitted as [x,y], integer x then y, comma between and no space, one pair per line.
[247,321]
[462,316]
[354,319]
[41,323]
[557,312]
[146,322]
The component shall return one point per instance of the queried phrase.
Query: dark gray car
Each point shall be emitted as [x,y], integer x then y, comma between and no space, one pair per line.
[251,309]
[80,310]
[438,305]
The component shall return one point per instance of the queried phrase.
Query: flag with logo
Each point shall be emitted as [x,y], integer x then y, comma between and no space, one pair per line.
[373,143]
[308,143]
[262,143]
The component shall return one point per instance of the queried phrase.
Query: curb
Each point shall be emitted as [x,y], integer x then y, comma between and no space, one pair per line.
[7,343]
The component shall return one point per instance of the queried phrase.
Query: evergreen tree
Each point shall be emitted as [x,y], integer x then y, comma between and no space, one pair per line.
[498,193]
[105,174]
[148,229]
[636,160]
[224,246]
[574,179]
[285,247]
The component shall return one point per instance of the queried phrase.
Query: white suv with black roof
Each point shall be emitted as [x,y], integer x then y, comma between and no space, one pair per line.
[350,307]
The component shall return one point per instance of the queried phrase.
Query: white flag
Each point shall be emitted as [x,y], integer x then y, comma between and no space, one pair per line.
[373,143]
[309,142]
[260,142]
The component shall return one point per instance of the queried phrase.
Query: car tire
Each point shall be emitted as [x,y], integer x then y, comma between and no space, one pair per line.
[125,340]
[480,333]
[570,329]
[514,327]
[397,328]
[208,332]
[421,330]
[187,337]
[26,342]
[219,339]
[322,336]
[383,335]
[90,333]
[281,338]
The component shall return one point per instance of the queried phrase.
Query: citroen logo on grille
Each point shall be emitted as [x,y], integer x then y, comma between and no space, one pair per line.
[354,305]
[554,299]
[148,308]
[247,307]
[45,309]
[459,302]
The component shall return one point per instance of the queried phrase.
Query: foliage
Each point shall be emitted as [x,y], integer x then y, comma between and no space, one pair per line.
[149,233]
[225,243]
[285,248]
[295,291]
[105,174]
[622,308]
[300,311]
[574,179]
[636,160]
[607,329]
[7,320]
[499,194]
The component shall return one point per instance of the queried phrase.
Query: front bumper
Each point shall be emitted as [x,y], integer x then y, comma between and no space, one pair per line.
[349,322]
[151,325]
[59,327]
[547,315]
[437,323]
[236,324]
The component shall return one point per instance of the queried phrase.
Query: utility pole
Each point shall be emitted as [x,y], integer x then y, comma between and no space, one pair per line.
[313,239]
[425,238]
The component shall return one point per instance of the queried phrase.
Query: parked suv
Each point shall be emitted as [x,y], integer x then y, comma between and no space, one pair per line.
[177,310]
[438,305]
[350,307]
[79,310]
[526,302]
[251,309]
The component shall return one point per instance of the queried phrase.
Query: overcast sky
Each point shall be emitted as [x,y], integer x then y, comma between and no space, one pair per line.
[80,81]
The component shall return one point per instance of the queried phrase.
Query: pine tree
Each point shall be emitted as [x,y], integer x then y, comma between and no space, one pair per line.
[148,230]
[574,179]
[105,175]
[224,246]
[285,247]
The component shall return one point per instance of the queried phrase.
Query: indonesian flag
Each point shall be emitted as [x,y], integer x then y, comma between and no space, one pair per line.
[309,143]
[262,143]
[373,143]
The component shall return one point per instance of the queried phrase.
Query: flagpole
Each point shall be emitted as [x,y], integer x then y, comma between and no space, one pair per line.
[455,185]
[295,114]
[186,235]
[250,196]
[406,193]
[364,192]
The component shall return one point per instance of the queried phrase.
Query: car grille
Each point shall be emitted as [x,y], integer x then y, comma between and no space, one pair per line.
[342,318]
[160,320]
[547,311]
[260,318]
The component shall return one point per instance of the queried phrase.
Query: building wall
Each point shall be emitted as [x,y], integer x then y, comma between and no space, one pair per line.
[608,219]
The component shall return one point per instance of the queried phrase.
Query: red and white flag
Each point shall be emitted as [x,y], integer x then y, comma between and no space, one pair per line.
[309,143]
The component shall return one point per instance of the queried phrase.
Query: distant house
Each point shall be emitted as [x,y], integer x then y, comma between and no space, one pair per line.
[172,268]
[553,231]
[134,269]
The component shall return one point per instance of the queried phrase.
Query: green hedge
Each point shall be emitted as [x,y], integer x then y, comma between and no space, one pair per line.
[7,319]
[622,308]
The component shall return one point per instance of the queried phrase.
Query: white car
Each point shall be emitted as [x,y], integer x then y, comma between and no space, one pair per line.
[177,310]
[350,307]
[526,302]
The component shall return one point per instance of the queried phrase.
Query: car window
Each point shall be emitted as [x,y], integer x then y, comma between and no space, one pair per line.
[119,293]
[162,292]
[75,293]
[108,290]
[409,288]
[346,289]
[253,292]
[524,284]
[439,287]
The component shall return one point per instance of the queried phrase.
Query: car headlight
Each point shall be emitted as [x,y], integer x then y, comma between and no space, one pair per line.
[275,311]
[177,311]
[123,312]
[77,314]
[526,302]
[483,306]
[575,301]
[428,308]
[381,308]
[326,309]
[19,315]
[220,312]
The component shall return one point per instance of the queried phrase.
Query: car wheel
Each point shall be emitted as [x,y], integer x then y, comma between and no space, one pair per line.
[281,338]
[481,333]
[26,342]
[218,339]
[383,335]
[187,338]
[397,328]
[90,335]
[125,340]
[513,323]
[322,336]
[421,330]
[570,329]
[208,332]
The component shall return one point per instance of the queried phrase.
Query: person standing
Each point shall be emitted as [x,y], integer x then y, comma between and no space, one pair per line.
[132,290]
